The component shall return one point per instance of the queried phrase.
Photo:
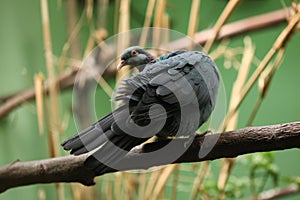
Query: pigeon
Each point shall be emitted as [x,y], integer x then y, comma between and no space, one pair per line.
[171,96]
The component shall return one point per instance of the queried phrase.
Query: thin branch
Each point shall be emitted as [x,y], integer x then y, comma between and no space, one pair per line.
[64,81]
[239,27]
[278,192]
[229,144]
[278,44]
[230,7]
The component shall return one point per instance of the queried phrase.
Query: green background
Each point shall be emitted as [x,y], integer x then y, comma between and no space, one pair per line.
[22,56]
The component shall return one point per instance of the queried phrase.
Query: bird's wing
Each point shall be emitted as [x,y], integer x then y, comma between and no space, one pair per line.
[185,78]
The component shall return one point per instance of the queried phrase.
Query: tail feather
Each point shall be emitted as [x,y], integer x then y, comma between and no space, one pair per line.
[89,138]
[106,158]
[110,143]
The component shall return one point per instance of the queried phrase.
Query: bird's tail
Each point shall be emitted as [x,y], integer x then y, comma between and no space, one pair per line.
[89,138]
[111,142]
[106,159]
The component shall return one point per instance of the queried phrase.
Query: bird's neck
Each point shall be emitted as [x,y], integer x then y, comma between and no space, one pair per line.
[150,59]
[141,67]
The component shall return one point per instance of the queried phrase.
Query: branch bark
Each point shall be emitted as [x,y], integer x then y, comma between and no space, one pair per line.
[229,144]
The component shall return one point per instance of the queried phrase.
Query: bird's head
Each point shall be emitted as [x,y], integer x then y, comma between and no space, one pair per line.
[135,57]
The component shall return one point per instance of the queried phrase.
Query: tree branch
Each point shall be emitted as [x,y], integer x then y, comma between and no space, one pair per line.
[229,144]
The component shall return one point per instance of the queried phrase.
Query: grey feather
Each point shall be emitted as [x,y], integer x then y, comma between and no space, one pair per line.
[177,82]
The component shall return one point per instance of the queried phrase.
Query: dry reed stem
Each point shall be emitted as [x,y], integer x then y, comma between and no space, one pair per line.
[122,43]
[265,86]
[73,47]
[199,179]
[73,37]
[231,5]
[238,27]
[147,22]
[105,86]
[280,42]
[152,180]
[161,182]
[158,22]
[102,13]
[71,9]
[89,4]
[123,39]
[110,193]
[226,168]
[39,99]
[174,190]
[118,184]
[90,45]
[53,114]
[142,185]
[240,81]
[165,38]
[130,185]
[88,192]
[193,21]
[116,16]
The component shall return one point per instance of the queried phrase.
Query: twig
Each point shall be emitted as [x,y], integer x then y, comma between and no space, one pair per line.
[278,192]
[193,21]
[63,81]
[266,77]
[236,28]
[231,5]
[73,29]
[228,163]
[102,12]
[160,184]
[147,22]
[230,144]
[278,44]
[123,39]
[175,182]
[199,179]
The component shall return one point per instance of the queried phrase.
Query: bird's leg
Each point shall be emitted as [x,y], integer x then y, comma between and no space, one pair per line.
[204,133]
[191,138]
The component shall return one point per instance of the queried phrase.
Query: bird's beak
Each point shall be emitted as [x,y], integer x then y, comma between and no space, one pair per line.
[121,64]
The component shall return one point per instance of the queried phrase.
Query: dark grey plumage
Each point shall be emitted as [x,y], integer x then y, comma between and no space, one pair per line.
[178,89]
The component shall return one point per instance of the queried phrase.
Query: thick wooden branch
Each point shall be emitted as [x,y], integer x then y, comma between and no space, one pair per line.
[229,144]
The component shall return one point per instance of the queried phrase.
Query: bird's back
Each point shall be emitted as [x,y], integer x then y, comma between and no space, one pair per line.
[184,84]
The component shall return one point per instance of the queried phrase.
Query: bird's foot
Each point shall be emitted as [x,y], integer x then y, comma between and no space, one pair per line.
[204,133]
[191,139]
[188,142]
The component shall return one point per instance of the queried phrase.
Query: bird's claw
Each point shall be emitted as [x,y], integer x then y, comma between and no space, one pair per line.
[191,139]
[188,142]
[205,133]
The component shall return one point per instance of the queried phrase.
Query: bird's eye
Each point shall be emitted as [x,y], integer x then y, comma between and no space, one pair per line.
[134,52]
